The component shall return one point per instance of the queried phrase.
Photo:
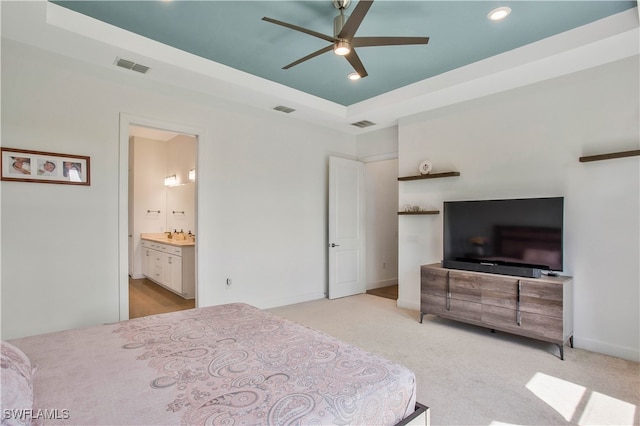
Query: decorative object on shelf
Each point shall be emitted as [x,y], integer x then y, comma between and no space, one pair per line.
[44,167]
[425,167]
[417,210]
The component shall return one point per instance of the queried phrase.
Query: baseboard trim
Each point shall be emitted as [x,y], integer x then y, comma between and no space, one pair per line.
[285,301]
[631,354]
[414,306]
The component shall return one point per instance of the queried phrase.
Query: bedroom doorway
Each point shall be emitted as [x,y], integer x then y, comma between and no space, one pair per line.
[150,206]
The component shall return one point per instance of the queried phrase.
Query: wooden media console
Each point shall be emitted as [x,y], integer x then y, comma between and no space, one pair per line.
[540,308]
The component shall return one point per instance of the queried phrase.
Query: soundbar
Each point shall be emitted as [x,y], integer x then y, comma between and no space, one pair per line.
[494,268]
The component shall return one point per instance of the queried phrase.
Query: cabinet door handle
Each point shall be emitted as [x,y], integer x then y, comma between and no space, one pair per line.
[448,293]
[518,315]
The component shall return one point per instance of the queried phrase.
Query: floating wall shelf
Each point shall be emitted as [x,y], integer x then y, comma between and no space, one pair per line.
[610,156]
[419,213]
[429,176]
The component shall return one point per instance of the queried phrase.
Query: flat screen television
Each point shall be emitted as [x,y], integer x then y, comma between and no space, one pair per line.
[520,233]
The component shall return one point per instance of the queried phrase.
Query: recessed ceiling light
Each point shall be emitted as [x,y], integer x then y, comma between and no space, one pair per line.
[499,13]
[354,76]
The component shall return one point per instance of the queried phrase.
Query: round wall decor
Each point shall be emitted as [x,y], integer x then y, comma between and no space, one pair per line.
[425,167]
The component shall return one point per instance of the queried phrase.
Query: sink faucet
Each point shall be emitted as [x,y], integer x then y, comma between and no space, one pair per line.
[169,235]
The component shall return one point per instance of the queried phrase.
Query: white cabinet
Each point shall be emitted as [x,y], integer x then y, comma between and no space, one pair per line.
[170,266]
[172,271]
[146,260]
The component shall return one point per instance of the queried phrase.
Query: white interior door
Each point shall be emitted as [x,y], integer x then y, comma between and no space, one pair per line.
[346,228]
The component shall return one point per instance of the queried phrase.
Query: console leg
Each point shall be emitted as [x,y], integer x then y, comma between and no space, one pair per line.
[571,341]
[421,316]
[561,347]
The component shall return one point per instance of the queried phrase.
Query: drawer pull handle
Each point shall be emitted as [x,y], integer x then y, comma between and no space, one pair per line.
[518,314]
[448,293]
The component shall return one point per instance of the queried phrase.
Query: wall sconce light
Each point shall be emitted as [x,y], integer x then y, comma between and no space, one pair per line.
[192,175]
[171,180]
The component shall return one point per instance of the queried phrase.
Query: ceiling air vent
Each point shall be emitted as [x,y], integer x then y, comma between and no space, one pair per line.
[284,109]
[363,123]
[123,63]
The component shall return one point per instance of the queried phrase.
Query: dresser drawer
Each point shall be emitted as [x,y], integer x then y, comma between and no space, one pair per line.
[463,286]
[539,297]
[433,281]
[176,251]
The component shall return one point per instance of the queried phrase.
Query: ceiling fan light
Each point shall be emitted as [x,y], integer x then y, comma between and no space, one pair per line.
[353,76]
[342,48]
[499,13]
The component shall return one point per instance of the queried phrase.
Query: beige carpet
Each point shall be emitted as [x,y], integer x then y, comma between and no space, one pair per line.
[469,376]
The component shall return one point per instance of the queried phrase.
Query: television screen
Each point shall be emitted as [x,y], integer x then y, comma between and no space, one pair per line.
[517,232]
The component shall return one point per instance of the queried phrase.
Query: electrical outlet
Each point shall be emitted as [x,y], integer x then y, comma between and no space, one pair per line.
[228,281]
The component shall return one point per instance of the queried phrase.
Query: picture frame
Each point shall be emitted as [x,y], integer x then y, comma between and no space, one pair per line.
[23,165]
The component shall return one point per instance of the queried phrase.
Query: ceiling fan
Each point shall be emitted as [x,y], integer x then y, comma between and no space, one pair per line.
[344,41]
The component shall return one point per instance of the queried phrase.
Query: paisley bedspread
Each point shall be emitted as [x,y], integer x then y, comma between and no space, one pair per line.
[231,364]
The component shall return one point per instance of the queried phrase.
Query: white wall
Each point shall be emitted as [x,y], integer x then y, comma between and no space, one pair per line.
[262,194]
[381,182]
[379,151]
[526,143]
[378,145]
[147,194]
[181,200]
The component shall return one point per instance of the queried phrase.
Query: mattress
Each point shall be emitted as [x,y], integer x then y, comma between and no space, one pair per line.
[231,364]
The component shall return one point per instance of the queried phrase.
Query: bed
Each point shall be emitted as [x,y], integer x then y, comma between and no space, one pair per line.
[231,364]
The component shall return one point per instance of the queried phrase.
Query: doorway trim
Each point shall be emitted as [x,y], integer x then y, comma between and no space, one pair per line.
[127,120]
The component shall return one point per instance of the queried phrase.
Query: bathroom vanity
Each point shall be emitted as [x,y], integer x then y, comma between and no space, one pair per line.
[170,263]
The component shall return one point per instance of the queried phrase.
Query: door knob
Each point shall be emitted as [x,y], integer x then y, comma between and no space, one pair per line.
[335,245]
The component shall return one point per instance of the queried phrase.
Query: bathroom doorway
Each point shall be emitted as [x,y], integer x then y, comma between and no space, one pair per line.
[158,195]
[162,206]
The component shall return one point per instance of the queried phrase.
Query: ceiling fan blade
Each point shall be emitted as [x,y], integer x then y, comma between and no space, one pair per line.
[356,63]
[355,19]
[302,30]
[309,56]
[387,41]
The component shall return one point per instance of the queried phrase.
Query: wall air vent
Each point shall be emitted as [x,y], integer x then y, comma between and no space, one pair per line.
[284,109]
[123,63]
[363,123]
